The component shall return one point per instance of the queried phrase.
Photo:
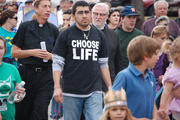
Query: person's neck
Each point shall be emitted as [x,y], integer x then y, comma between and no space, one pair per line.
[100,27]
[112,26]
[141,68]
[41,21]
[7,27]
[83,28]
[126,30]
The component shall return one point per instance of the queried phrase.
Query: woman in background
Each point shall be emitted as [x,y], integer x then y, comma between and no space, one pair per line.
[114,18]
[8,20]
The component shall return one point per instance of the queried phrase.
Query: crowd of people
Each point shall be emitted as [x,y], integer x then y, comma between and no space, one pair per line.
[71,53]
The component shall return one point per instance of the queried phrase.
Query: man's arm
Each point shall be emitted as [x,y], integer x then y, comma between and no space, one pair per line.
[58,65]
[17,52]
[106,76]
[57,90]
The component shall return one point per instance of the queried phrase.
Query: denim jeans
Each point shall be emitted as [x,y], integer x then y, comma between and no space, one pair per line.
[74,106]
[56,109]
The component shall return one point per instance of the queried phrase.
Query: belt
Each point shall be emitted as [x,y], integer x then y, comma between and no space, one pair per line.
[37,68]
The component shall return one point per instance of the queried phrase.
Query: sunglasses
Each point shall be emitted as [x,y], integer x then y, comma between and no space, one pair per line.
[14,18]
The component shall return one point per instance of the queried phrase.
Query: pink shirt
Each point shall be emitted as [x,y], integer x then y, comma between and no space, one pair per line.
[173,75]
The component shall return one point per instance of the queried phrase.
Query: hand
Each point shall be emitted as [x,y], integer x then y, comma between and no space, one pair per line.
[160,78]
[20,94]
[49,56]
[20,90]
[162,115]
[58,95]
[44,54]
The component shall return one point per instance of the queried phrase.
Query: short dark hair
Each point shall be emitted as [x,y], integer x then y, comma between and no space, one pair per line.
[67,12]
[37,2]
[5,15]
[111,11]
[77,4]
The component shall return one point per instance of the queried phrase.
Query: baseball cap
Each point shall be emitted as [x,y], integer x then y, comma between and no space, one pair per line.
[129,11]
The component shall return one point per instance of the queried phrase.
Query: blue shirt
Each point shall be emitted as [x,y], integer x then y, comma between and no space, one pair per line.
[140,90]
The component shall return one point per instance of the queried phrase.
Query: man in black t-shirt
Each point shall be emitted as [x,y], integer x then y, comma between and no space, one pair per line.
[32,45]
[80,51]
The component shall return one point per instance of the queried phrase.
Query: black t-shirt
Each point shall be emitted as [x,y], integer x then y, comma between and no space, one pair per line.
[81,74]
[29,36]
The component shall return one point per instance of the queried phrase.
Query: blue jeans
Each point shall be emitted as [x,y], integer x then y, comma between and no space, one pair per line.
[91,107]
[56,110]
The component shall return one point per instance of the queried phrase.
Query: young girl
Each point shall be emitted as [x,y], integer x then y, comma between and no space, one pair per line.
[9,77]
[161,34]
[170,81]
[116,106]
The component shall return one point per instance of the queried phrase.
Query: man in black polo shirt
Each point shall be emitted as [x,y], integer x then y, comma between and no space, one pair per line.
[35,63]
[81,52]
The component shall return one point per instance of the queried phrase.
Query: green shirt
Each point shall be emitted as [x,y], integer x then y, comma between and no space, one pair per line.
[9,77]
[8,36]
[124,39]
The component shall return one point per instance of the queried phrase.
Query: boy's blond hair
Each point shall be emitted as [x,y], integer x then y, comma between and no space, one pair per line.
[141,46]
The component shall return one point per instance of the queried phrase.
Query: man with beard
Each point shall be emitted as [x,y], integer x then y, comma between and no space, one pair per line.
[32,45]
[160,9]
[127,32]
[80,51]
[99,16]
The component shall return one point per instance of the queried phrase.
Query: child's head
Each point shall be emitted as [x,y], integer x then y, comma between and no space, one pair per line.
[140,47]
[160,33]
[175,50]
[116,106]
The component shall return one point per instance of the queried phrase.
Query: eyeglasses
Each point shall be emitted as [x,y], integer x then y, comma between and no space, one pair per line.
[81,12]
[14,18]
[101,14]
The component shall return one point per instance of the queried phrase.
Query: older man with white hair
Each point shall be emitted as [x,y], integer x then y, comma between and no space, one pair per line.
[99,16]
[161,9]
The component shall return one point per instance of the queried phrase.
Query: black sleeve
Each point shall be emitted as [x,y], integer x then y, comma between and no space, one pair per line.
[60,47]
[18,39]
[117,56]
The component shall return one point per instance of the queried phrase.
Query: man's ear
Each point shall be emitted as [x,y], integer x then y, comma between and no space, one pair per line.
[145,58]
